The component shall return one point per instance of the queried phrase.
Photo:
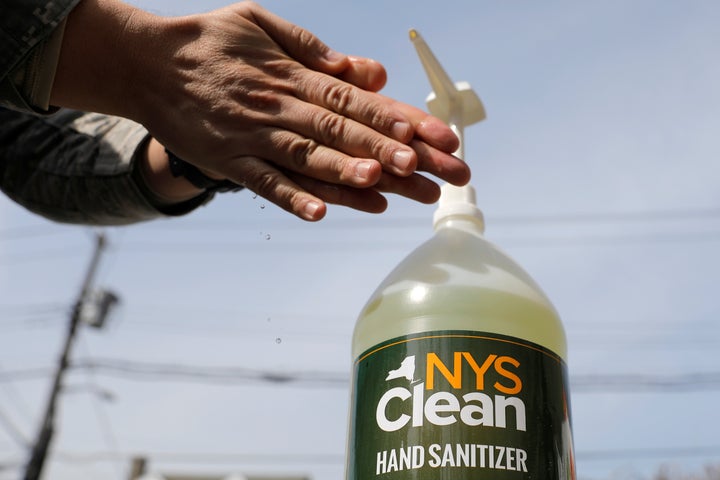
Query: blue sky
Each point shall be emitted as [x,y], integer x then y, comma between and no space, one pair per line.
[597,170]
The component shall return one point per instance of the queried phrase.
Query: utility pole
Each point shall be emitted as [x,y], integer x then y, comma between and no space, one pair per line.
[137,468]
[41,446]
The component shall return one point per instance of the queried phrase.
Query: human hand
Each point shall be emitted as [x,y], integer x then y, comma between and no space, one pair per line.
[247,96]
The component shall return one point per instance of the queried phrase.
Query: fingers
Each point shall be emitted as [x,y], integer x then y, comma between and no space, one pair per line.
[299,43]
[296,153]
[335,149]
[415,187]
[441,164]
[368,108]
[304,196]
[429,129]
[364,124]
[343,135]
[365,200]
[364,73]
[273,185]
[331,108]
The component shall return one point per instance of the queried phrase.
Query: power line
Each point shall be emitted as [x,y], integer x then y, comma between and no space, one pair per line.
[101,416]
[25,374]
[13,431]
[187,457]
[585,218]
[214,374]
[652,452]
[634,383]
[579,383]
[664,215]
[30,231]
[18,402]
[398,221]
[34,308]
[41,255]
[343,246]
[211,458]
[172,372]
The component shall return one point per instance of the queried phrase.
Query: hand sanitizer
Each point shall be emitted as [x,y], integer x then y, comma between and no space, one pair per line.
[459,357]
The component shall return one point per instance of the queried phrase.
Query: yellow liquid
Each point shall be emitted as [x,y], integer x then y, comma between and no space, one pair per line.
[457,280]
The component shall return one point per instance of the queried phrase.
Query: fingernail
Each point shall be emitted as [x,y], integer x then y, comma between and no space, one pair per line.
[362,169]
[311,209]
[402,159]
[401,130]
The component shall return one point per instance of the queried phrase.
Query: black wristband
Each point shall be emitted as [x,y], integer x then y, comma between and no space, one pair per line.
[181,168]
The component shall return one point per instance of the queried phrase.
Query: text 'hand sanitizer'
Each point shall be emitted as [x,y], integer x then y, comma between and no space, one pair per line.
[460,359]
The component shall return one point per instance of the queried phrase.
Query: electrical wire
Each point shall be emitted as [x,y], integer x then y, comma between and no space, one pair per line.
[343,246]
[13,431]
[599,455]
[587,218]
[15,398]
[624,383]
[660,215]
[101,415]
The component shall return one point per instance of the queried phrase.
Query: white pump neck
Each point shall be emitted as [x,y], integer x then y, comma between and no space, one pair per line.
[458,105]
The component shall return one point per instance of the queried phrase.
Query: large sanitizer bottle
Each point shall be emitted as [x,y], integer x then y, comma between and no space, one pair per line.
[459,358]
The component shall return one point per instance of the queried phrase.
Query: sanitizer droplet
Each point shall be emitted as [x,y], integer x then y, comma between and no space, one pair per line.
[262,206]
[267,237]
[278,340]
[254,196]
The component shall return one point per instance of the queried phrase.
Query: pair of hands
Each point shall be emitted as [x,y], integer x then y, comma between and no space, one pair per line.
[246,95]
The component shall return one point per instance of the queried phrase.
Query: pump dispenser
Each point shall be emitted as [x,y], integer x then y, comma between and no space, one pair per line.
[459,357]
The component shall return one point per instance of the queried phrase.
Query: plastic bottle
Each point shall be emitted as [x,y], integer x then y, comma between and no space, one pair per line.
[460,358]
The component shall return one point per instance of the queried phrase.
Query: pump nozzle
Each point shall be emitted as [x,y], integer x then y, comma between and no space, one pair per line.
[456,104]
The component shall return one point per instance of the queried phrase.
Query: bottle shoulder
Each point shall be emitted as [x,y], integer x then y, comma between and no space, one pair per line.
[459,280]
[454,258]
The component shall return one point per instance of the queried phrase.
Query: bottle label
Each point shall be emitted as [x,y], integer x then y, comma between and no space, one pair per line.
[458,405]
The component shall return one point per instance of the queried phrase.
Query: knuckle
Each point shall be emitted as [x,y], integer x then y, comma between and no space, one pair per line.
[331,127]
[262,100]
[300,151]
[381,120]
[267,184]
[338,96]
[303,37]
[382,149]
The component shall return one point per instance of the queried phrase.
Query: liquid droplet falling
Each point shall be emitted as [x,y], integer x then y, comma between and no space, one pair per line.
[278,340]
[267,237]
[262,206]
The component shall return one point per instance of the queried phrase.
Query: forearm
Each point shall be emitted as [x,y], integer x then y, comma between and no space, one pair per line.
[99,68]
[85,168]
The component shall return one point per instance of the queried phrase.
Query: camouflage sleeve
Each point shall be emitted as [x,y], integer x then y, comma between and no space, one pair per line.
[77,167]
[30,38]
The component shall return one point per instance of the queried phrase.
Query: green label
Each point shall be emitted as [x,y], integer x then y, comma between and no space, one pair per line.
[459,405]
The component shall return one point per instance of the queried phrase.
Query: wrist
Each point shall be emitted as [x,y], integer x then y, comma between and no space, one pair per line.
[179,168]
[100,67]
[155,172]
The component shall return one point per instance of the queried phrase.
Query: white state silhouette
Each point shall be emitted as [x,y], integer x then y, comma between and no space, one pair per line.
[406,370]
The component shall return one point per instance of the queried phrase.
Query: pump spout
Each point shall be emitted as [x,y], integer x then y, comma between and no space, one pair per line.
[456,104]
